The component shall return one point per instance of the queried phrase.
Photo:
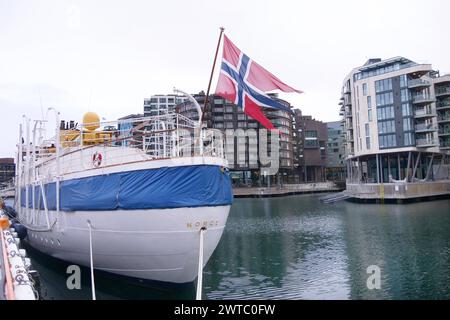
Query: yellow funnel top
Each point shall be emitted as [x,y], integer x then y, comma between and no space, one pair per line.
[91,121]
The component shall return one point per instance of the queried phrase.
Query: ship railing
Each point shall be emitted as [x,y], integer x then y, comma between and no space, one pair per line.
[160,137]
[122,141]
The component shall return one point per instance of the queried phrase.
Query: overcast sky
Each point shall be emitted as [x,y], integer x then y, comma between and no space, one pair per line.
[107,56]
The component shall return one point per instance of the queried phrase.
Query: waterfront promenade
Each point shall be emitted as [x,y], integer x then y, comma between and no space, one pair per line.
[286,189]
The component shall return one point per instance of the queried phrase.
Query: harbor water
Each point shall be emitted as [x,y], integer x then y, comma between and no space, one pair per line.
[295,247]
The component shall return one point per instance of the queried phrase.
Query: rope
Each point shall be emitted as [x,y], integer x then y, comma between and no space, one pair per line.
[91,260]
[200,266]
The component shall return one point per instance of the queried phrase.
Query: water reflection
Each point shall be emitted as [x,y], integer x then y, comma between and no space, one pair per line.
[279,248]
[297,248]
[53,278]
[410,243]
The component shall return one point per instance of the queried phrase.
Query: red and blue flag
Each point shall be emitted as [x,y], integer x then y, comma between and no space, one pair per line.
[245,83]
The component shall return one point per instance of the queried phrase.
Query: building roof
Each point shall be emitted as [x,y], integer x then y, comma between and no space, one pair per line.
[377,62]
[334,125]
[6,160]
[132,116]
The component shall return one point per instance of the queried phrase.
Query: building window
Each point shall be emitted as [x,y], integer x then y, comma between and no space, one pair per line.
[386,126]
[403,81]
[409,139]
[311,134]
[387,141]
[311,144]
[385,99]
[369,102]
[407,124]
[367,142]
[369,115]
[406,109]
[385,113]
[367,130]
[383,85]
[364,89]
[162,100]
[406,95]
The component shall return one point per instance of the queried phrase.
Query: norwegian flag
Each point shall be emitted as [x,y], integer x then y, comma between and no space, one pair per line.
[244,82]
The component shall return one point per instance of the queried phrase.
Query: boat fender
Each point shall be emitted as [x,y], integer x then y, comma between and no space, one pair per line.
[4,223]
[21,230]
[23,253]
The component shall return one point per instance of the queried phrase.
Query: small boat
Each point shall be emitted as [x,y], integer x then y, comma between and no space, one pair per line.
[140,188]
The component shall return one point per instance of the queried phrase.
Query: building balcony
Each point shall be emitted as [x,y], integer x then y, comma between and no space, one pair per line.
[444,118]
[423,127]
[423,113]
[443,105]
[444,145]
[444,131]
[425,143]
[423,99]
[418,84]
[443,91]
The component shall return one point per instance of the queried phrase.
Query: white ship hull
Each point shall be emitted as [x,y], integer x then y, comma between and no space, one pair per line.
[145,203]
[154,244]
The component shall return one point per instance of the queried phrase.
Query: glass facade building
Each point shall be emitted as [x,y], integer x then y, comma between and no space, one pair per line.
[394,115]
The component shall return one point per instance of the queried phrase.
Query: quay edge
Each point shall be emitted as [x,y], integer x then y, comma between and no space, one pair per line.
[398,192]
[287,190]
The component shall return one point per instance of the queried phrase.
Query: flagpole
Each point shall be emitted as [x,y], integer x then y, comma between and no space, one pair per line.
[212,70]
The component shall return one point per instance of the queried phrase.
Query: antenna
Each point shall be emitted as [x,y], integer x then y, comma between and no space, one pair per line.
[40,101]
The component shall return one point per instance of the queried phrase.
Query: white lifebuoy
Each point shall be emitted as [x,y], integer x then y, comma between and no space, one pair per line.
[97,159]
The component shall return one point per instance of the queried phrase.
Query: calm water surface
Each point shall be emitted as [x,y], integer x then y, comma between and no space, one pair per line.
[297,248]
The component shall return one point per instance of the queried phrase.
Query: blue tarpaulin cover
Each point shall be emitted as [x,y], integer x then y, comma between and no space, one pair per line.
[168,187]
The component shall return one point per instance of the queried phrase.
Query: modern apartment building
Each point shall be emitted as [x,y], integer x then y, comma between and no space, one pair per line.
[395,115]
[311,151]
[246,170]
[442,91]
[161,104]
[125,133]
[7,170]
[335,166]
